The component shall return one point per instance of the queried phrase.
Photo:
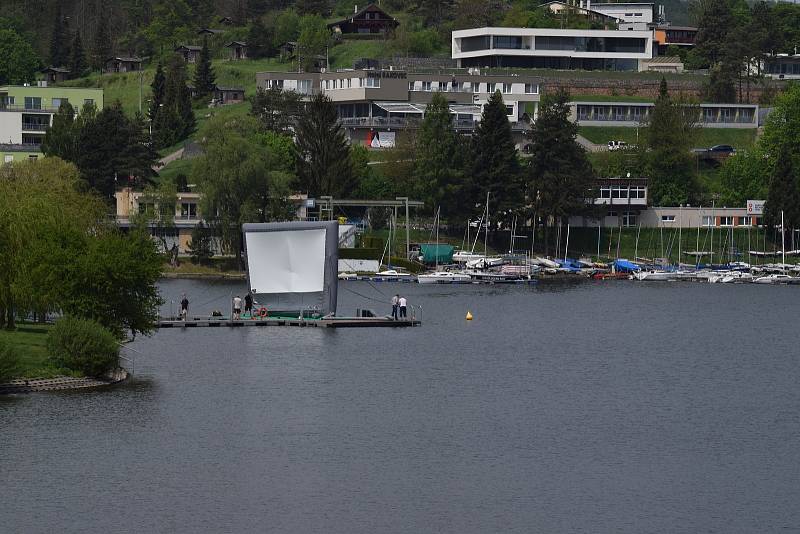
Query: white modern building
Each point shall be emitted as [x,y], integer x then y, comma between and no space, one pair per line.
[630,16]
[552,48]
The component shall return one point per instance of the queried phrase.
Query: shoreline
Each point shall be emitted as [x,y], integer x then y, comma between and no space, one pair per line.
[63,383]
[204,276]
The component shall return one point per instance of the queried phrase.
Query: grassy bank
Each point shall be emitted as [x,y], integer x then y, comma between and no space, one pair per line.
[29,343]
[741,139]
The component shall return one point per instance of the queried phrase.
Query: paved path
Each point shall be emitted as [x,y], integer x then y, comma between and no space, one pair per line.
[589,146]
[169,158]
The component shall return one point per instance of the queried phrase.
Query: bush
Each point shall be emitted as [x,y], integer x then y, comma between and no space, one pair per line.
[9,362]
[82,345]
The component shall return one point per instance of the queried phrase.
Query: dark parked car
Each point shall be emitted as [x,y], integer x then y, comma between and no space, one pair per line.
[722,149]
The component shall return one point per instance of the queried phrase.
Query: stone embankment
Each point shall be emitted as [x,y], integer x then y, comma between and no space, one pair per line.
[32,385]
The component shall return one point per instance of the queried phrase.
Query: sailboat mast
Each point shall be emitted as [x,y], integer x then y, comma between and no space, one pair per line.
[680,234]
[783,246]
[486,232]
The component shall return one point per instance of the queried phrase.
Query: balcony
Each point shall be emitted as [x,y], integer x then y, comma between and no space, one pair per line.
[402,122]
[17,108]
[34,127]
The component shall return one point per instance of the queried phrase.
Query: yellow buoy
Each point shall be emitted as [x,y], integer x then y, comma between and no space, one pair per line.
[469,316]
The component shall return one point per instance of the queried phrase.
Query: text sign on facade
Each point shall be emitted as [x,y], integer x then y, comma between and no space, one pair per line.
[755,207]
[398,74]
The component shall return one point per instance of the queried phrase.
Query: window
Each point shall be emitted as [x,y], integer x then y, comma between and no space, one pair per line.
[188,210]
[58,101]
[638,192]
[455,86]
[506,88]
[726,221]
[605,192]
[531,89]
[508,42]
[708,220]
[668,218]
[373,82]
[491,88]
[509,110]
[304,87]
[629,218]
[426,86]
[6,101]
[612,214]
[410,86]
[476,87]
[33,102]
[147,208]
[743,221]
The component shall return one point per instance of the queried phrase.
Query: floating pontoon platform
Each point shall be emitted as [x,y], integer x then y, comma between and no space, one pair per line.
[334,322]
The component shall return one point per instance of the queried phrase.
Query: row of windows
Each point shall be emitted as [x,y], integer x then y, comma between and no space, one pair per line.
[726,220]
[35,102]
[186,210]
[304,86]
[555,42]
[622,192]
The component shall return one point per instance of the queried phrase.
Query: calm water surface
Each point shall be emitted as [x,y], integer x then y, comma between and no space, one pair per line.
[597,407]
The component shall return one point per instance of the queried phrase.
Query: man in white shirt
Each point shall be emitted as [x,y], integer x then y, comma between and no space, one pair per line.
[237,308]
[402,303]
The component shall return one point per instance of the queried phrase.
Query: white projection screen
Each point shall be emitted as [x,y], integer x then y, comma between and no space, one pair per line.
[291,261]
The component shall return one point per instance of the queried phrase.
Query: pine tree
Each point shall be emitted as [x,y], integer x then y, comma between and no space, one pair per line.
[495,167]
[323,156]
[200,249]
[559,175]
[157,89]
[669,136]
[173,118]
[438,170]
[61,139]
[784,190]
[59,43]
[204,73]
[77,60]
[101,44]
[260,40]
[715,21]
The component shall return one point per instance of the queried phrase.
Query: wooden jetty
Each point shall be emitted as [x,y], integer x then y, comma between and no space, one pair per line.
[334,322]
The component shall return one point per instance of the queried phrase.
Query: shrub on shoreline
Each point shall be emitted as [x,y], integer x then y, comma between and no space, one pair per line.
[9,362]
[82,345]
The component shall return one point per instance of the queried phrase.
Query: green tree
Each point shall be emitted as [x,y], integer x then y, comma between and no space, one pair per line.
[669,136]
[204,79]
[323,156]
[559,176]
[200,249]
[174,119]
[313,39]
[714,21]
[59,40]
[113,281]
[260,40]
[119,150]
[82,345]
[240,177]
[287,27]
[18,61]
[313,7]
[42,215]
[783,196]
[494,164]
[61,139]
[439,167]
[157,90]
[102,47]
[77,58]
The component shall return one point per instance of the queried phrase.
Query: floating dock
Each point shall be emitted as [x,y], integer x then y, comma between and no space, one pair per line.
[336,322]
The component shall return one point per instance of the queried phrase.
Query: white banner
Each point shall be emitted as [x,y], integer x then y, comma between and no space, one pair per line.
[286,262]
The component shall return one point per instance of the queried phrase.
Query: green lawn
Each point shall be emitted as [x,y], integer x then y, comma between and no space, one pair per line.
[29,342]
[174,168]
[706,137]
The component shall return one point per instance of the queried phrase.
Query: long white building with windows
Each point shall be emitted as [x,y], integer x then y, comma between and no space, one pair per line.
[618,50]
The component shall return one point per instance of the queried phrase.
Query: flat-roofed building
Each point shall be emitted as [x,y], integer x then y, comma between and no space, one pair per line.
[633,114]
[782,66]
[552,48]
[371,102]
[26,112]
[630,15]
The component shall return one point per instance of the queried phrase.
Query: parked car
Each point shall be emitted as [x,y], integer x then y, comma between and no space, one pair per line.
[617,145]
[722,149]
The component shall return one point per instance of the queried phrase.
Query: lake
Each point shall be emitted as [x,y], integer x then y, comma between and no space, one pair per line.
[562,407]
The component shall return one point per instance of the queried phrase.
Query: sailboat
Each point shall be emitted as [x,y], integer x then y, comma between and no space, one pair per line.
[389,273]
[441,277]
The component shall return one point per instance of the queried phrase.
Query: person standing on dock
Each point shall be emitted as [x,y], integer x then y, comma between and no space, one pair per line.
[403,303]
[395,304]
[184,307]
[248,304]
[237,308]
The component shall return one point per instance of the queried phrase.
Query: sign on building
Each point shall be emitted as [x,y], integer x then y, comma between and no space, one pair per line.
[755,207]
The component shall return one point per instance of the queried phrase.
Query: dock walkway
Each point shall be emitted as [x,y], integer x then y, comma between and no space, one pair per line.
[343,322]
